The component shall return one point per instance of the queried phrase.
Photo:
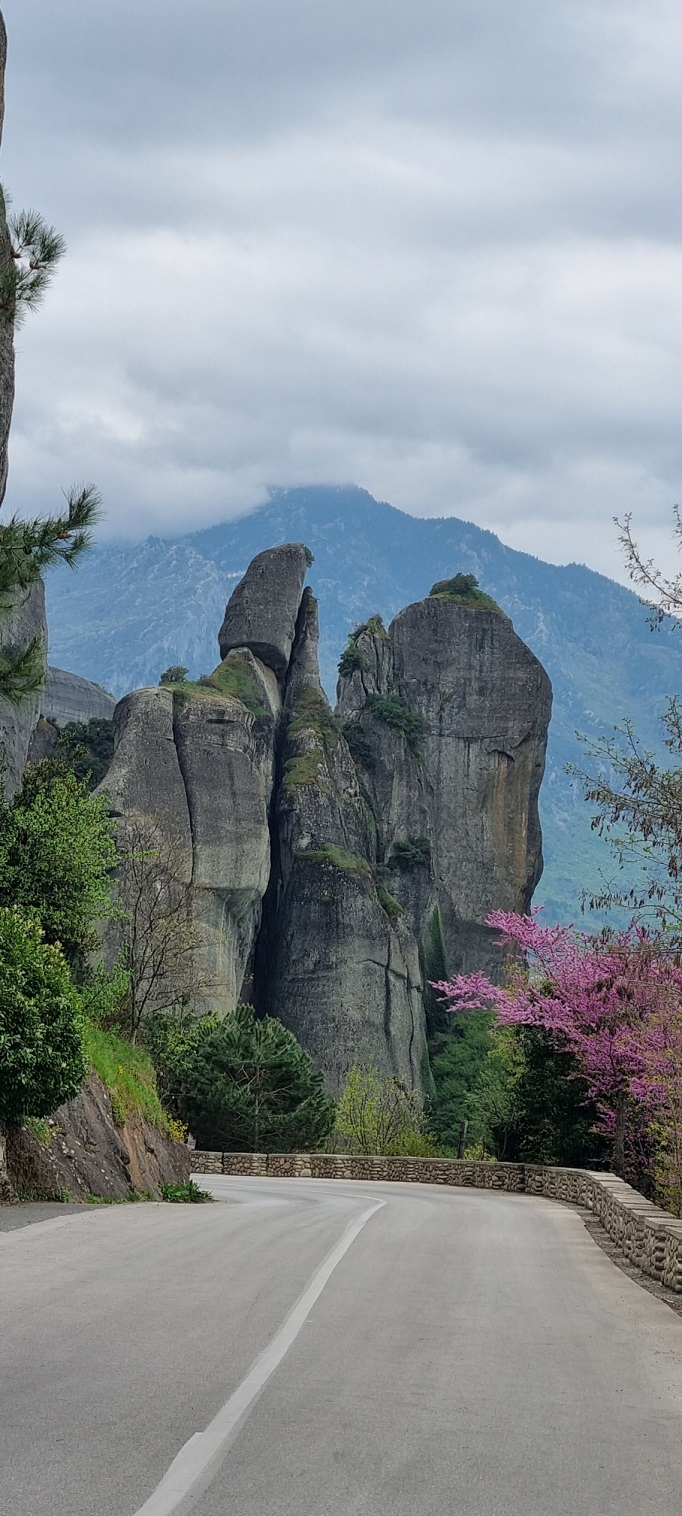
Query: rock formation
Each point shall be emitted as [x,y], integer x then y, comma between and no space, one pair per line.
[22,620]
[335,861]
[447,713]
[67,697]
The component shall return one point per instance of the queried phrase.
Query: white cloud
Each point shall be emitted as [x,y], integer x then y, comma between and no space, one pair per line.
[433,250]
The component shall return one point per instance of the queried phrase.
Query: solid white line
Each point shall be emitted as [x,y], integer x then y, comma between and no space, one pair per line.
[197,1463]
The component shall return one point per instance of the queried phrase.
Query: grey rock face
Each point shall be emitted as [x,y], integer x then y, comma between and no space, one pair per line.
[467,779]
[263,610]
[67,697]
[20,622]
[195,764]
[341,972]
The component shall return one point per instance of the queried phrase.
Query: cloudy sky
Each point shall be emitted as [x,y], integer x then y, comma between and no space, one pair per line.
[432,248]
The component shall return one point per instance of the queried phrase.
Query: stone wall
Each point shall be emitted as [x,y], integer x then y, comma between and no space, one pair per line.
[649,1237]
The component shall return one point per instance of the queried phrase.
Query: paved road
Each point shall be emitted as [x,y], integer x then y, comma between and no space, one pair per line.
[440,1354]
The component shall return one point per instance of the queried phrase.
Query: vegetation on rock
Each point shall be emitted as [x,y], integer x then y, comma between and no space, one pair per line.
[176,674]
[410,853]
[399,717]
[463,589]
[339,858]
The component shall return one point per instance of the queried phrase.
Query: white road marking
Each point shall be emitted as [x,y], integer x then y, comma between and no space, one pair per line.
[197,1463]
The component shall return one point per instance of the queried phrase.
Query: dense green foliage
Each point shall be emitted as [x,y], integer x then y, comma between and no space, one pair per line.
[463,590]
[57,851]
[377,1115]
[241,1084]
[176,674]
[187,1193]
[87,748]
[41,1030]
[399,717]
[521,1094]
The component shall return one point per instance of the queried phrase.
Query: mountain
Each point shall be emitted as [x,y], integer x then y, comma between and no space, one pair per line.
[131,610]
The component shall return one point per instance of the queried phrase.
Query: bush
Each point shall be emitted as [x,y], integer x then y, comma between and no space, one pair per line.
[42,1061]
[377,1115]
[176,674]
[241,1084]
[398,716]
[57,852]
[188,1193]
[358,744]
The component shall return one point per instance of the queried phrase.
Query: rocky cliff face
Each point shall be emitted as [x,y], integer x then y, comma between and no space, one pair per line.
[329,856]
[447,714]
[21,621]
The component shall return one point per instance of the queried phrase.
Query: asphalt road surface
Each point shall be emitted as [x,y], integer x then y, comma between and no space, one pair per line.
[328,1349]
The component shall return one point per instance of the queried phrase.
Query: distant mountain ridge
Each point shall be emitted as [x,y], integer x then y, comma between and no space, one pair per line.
[131,610]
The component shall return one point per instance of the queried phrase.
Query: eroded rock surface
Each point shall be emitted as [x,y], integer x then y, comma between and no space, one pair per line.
[451,710]
[21,621]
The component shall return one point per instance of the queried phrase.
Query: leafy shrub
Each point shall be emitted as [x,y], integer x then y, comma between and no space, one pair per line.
[377,1115]
[398,716]
[351,659]
[188,1193]
[57,852]
[42,1062]
[241,1084]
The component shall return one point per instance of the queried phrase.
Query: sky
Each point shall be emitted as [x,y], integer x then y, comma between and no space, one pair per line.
[432,249]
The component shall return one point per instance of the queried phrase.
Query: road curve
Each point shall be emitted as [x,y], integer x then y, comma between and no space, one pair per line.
[343,1350]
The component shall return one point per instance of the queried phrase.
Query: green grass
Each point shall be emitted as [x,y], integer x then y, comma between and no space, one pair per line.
[187,1193]
[348,863]
[233,679]
[40,1129]
[128,1074]
[312,713]
[388,902]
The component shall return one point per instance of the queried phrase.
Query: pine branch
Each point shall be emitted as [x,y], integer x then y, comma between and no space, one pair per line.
[27,548]
[35,250]
[22,674]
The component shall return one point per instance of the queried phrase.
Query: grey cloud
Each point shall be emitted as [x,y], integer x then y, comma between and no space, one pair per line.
[431,248]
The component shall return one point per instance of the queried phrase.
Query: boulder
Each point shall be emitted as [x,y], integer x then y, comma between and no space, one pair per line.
[263,610]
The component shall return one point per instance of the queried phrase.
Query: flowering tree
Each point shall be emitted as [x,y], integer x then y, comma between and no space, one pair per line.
[615,1002]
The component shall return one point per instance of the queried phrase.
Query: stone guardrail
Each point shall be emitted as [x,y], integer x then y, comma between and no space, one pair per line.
[649,1237]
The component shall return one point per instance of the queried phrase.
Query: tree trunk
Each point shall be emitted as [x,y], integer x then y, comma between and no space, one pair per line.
[619,1138]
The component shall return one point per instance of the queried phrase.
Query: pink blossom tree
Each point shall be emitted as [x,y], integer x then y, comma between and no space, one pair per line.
[615,1002]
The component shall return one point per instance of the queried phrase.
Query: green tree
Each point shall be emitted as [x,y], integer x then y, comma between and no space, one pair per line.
[240,1084]
[41,1029]
[57,852]
[87,748]
[377,1115]
[176,674]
